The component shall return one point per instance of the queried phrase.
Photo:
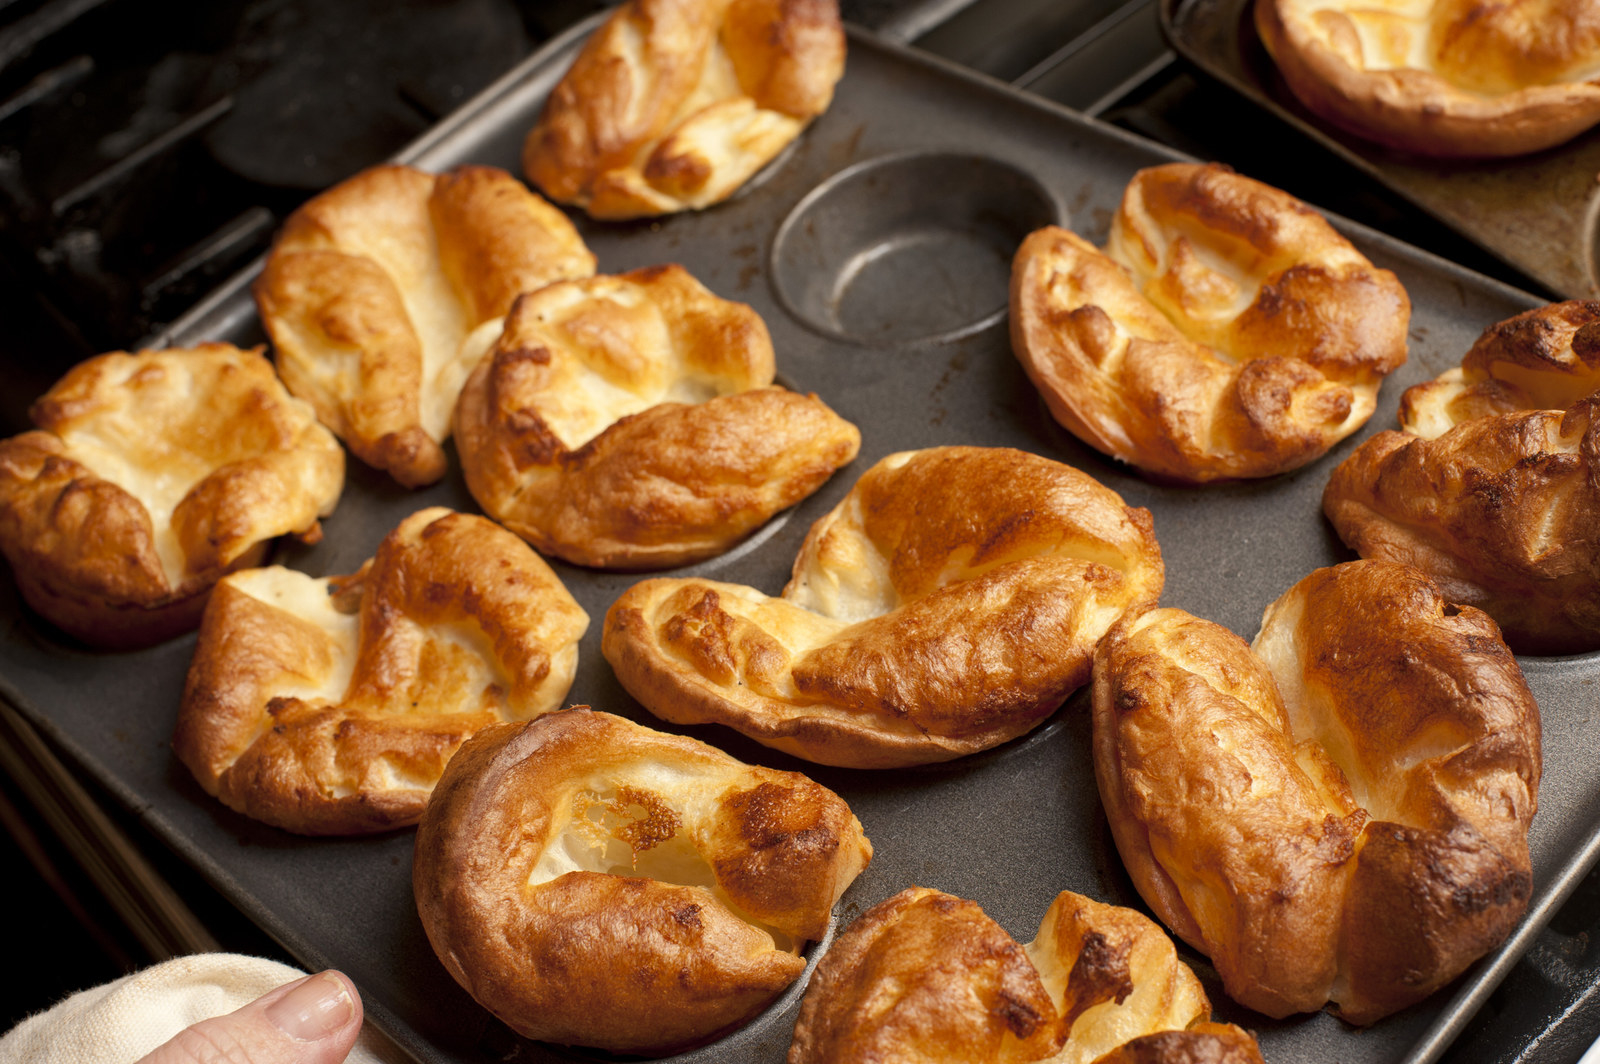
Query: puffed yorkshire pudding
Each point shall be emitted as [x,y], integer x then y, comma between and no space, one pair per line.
[949,603]
[372,286]
[626,422]
[329,707]
[927,978]
[1442,77]
[1494,487]
[1543,359]
[152,475]
[593,882]
[1338,814]
[1226,331]
[673,104]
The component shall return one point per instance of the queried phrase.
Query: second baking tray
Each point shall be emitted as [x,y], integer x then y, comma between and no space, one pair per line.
[1537,212]
[878,251]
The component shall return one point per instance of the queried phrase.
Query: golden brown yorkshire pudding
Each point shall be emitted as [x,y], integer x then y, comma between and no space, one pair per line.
[927,978]
[1543,359]
[1494,489]
[372,286]
[673,104]
[152,475]
[329,707]
[625,422]
[1442,77]
[1226,331]
[947,604]
[1338,814]
[593,882]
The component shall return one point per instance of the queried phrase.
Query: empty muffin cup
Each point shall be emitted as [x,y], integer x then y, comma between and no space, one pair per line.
[907,249]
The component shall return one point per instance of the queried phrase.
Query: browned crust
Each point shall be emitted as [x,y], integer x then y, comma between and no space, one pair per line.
[614,135]
[497,241]
[789,54]
[321,766]
[352,306]
[681,692]
[671,484]
[83,549]
[1239,810]
[954,985]
[925,977]
[617,961]
[1156,368]
[1427,111]
[1499,510]
[1043,556]
[1208,1043]
[339,319]
[1546,358]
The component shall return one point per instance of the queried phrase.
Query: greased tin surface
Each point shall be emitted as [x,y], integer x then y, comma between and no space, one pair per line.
[878,250]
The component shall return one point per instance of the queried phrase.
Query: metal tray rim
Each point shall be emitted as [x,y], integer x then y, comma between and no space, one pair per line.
[230,303]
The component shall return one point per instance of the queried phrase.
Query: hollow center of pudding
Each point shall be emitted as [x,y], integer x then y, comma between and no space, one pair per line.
[613,353]
[1195,281]
[178,426]
[629,830]
[442,668]
[1487,50]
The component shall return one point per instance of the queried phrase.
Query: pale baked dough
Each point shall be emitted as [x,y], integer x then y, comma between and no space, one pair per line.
[331,706]
[1442,77]
[1494,486]
[593,882]
[673,104]
[1338,814]
[152,475]
[1226,331]
[927,978]
[949,603]
[372,287]
[627,422]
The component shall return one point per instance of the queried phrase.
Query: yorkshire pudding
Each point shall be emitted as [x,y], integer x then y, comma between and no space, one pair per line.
[329,707]
[1338,814]
[152,475]
[1543,359]
[927,978]
[593,882]
[947,604]
[1442,77]
[1494,487]
[673,104]
[625,422]
[1226,331]
[372,286]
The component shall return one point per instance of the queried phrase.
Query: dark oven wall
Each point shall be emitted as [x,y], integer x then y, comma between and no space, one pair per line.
[148,151]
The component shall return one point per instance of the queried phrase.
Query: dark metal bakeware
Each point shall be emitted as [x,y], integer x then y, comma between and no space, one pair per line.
[1537,212]
[936,174]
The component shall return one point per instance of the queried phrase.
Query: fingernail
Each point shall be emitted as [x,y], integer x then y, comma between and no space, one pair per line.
[314,1008]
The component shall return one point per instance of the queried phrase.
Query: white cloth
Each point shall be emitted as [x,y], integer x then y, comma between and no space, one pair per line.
[121,1021]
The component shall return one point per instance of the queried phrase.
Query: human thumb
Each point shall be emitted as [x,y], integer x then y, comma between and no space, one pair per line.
[313,1020]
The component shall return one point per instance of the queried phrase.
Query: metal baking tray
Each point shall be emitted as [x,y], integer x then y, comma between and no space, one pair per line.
[877,249]
[1537,212]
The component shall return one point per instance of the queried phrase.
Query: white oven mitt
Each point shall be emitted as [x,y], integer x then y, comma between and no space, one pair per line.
[121,1021]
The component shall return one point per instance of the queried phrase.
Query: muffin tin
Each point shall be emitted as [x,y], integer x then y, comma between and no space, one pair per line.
[877,249]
